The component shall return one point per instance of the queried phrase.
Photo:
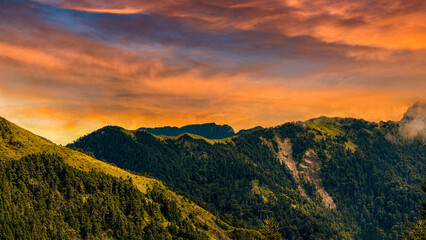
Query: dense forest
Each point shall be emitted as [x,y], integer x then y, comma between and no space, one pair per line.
[243,185]
[378,182]
[371,178]
[350,179]
[51,192]
[43,198]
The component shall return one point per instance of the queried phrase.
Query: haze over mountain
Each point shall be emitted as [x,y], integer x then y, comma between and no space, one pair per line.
[320,179]
[207,130]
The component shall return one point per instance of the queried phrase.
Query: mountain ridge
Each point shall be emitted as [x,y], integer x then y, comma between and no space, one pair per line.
[207,130]
[350,155]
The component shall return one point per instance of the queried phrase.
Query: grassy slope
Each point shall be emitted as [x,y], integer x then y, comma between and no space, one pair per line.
[324,126]
[16,142]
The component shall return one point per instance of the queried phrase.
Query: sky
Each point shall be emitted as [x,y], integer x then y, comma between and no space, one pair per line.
[69,67]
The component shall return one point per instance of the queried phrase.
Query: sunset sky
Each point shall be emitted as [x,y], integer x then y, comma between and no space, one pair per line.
[69,67]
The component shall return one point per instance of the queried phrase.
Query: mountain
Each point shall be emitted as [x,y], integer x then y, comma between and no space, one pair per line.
[243,131]
[207,130]
[325,178]
[240,181]
[53,192]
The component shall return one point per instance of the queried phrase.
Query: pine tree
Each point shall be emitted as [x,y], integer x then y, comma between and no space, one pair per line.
[418,230]
[269,229]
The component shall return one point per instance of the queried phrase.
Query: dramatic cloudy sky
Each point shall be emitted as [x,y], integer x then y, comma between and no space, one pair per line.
[69,67]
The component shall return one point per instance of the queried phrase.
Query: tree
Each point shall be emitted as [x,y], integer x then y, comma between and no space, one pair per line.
[418,230]
[269,229]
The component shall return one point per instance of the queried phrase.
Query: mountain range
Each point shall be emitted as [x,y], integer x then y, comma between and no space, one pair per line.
[325,178]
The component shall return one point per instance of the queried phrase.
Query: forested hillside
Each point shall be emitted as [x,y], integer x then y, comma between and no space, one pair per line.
[321,179]
[249,185]
[374,176]
[53,192]
[43,198]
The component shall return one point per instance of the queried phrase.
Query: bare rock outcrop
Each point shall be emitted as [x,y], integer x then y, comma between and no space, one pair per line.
[310,168]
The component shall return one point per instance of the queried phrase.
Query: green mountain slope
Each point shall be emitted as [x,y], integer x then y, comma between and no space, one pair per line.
[322,179]
[241,177]
[62,193]
[374,173]
[42,197]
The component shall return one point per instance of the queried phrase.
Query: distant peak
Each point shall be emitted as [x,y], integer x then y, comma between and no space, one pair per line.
[207,130]
[417,110]
[110,127]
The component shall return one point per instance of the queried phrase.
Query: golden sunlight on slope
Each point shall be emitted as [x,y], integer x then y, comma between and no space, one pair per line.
[16,142]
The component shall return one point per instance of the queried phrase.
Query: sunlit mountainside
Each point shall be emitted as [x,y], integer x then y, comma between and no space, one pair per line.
[56,192]
[323,178]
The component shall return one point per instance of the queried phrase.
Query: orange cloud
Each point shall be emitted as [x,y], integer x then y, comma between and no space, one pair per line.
[394,32]
[387,24]
[252,105]
[64,73]
[109,10]
[29,56]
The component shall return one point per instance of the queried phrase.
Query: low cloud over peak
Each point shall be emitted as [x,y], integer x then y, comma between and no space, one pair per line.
[413,124]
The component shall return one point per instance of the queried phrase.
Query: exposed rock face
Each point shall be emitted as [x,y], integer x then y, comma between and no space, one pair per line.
[311,168]
[303,192]
[285,155]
